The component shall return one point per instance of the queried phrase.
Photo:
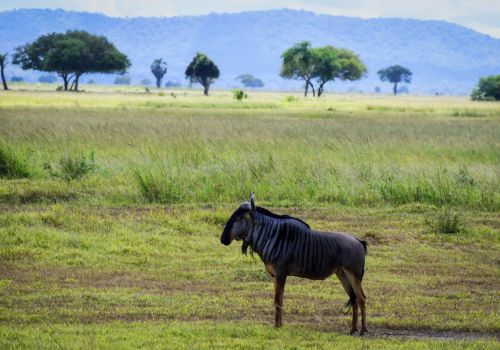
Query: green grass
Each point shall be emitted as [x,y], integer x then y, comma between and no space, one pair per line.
[213,149]
[117,245]
[13,164]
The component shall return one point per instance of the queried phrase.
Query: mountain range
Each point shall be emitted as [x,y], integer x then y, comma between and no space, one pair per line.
[444,57]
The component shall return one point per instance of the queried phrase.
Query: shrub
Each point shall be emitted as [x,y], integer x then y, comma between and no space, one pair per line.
[74,167]
[446,221]
[172,84]
[16,79]
[13,164]
[488,89]
[47,78]
[239,94]
[122,80]
[291,98]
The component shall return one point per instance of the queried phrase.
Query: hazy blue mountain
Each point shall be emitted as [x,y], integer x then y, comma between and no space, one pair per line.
[444,57]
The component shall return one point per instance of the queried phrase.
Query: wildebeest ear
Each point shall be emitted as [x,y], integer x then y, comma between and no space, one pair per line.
[252,201]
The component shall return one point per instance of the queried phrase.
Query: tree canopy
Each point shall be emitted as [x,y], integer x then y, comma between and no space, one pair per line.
[159,69]
[488,89]
[70,55]
[298,63]
[322,64]
[395,74]
[333,63]
[202,70]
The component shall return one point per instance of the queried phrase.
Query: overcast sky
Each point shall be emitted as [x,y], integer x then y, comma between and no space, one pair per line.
[481,15]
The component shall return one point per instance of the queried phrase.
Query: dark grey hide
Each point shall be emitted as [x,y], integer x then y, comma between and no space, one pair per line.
[288,247]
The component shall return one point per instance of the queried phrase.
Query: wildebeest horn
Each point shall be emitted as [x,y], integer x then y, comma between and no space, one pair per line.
[252,200]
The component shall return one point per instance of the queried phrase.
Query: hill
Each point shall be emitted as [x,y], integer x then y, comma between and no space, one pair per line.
[444,57]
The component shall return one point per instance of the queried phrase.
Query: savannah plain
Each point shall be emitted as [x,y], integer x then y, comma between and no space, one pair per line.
[112,202]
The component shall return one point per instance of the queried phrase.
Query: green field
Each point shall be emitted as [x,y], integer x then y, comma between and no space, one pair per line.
[112,202]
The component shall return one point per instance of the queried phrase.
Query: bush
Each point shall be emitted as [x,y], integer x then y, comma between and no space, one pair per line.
[72,168]
[239,94]
[403,90]
[122,80]
[291,98]
[172,84]
[446,221]
[145,82]
[488,89]
[16,79]
[13,164]
[47,78]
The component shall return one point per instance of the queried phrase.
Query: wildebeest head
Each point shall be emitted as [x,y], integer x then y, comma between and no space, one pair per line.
[240,223]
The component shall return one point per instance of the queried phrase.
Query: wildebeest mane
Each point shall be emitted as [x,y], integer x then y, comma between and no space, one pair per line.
[276,216]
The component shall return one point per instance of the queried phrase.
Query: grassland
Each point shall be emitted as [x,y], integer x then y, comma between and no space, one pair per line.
[109,236]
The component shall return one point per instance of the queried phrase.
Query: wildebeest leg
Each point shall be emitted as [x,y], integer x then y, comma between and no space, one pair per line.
[348,289]
[279,289]
[360,297]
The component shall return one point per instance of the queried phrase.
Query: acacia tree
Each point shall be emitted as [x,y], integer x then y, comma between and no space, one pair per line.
[3,63]
[395,74]
[488,89]
[248,80]
[299,63]
[202,70]
[333,63]
[159,69]
[70,55]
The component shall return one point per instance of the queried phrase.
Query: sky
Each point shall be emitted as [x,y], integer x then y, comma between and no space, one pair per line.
[480,15]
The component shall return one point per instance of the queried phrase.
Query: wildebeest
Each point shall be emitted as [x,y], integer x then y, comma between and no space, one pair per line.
[288,247]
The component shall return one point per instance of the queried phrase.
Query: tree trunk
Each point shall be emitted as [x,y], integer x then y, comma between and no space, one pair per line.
[65,79]
[158,82]
[77,78]
[206,86]
[4,82]
[75,81]
[306,88]
[395,89]
[320,89]
[312,88]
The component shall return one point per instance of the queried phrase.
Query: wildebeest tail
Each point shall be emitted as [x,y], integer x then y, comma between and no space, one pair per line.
[365,245]
[350,302]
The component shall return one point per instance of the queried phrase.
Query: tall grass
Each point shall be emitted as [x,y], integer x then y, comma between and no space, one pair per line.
[13,163]
[364,151]
[295,180]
